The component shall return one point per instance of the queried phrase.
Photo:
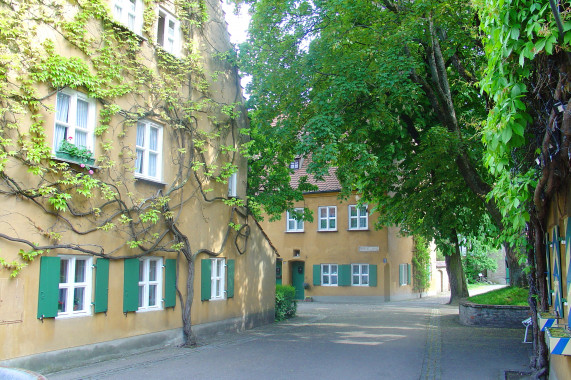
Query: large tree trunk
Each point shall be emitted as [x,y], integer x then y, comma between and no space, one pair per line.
[189,338]
[458,287]
[517,277]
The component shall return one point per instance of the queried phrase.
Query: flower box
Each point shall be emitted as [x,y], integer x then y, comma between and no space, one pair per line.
[78,160]
[557,339]
[546,320]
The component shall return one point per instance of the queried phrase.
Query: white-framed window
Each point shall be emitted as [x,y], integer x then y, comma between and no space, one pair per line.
[149,150]
[75,119]
[232,183]
[329,275]
[294,225]
[168,32]
[360,274]
[327,218]
[75,286]
[358,217]
[130,14]
[217,278]
[150,283]
[404,274]
[295,164]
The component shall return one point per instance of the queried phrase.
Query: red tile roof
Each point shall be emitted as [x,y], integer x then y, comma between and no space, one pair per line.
[330,183]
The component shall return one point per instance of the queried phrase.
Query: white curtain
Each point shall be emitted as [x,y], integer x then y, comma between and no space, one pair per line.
[152,165]
[139,162]
[153,139]
[60,135]
[62,109]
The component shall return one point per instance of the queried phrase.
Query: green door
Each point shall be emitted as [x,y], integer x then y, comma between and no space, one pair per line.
[279,265]
[297,277]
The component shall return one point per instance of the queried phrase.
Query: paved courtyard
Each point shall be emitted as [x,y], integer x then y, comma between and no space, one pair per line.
[418,339]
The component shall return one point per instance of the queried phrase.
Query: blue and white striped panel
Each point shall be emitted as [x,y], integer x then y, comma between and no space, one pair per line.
[545,323]
[562,347]
[557,280]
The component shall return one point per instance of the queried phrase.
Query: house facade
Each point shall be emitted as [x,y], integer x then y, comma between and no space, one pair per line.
[124,224]
[340,253]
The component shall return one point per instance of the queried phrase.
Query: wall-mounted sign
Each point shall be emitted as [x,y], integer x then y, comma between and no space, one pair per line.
[368,249]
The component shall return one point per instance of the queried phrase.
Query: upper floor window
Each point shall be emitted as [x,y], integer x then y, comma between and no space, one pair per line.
[295,164]
[358,217]
[130,14]
[74,286]
[150,291]
[232,183]
[360,274]
[404,274]
[327,218]
[293,224]
[148,162]
[217,277]
[168,32]
[75,119]
[329,274]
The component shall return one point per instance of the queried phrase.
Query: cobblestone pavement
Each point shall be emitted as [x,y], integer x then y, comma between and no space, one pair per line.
[418,339]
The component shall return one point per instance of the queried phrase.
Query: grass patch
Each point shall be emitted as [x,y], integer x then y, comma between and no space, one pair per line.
[504,296]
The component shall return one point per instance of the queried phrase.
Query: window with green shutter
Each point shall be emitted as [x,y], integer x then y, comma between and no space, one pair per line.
[230,278]
[101,285]
[130,285]
[344,275]
[170,283]
[372,275]
[49,287]
[205,279]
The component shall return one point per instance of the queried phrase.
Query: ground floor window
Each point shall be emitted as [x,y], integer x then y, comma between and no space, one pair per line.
[329,274]
[150,280]
[404,274]
[360,274]
[74,286]
[217,279]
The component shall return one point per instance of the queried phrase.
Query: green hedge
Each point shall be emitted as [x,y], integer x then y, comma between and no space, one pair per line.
[286,305]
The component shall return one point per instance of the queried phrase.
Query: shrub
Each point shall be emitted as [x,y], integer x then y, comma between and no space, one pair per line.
[286,305]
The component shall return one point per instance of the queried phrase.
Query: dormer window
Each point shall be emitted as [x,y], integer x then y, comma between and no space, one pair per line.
[295,164]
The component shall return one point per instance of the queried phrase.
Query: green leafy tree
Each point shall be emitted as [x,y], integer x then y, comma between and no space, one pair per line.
[527,134]
[387,93]
[421,265]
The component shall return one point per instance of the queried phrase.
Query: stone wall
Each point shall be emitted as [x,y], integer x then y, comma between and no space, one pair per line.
[472,314]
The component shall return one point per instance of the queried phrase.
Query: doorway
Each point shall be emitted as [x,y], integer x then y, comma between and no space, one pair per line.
[297,278]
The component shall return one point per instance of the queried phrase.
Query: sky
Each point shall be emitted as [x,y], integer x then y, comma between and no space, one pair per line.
[237,24]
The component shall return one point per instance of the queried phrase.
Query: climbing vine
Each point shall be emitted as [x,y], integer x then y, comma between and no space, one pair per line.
[421,270]
[50,46]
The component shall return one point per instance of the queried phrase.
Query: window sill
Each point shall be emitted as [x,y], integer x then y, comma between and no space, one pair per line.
[557,339]
[65,157]
[146,310]
[294,232]
[151,181]
[77,315]
[327,230]
[358,229]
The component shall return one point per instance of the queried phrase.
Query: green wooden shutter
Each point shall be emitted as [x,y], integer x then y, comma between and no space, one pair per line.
[101,286]
[130,285]
[170,283]
[230,278]
[345,275]
[408,279]
[205,279]
[48,294]
[316,274]
[372,275]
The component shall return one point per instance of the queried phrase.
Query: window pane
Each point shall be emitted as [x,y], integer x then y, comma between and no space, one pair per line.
[141,295]
[131,22]
[325,269]
[78,299]
[362,223]
[365,280]
[332,223]
[332,212]
[161,30]
[352,211]
[140,134]
[61,305]
[365,269]
[80,270]
[80,138]
[152,165]
[355,280]
[353,223]
[291,225]
[355,269]
[153,139]
[141,271]
[139,162]
[63,268]
[82,112]
[325,280]
[62,111]
[323,212]
[323,223]
[152,270]
[333,279]
[60,135]
[152,295]
[334,269]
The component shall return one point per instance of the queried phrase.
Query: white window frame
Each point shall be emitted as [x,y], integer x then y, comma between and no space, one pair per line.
[358,217]
[218,279]
[293,225]
[123,13]
[232,185]
[71,127]
[403,274]
[331,278]
[327,218]
[168,18]
[145,149]
[358,275]
[70,285]
[148,285]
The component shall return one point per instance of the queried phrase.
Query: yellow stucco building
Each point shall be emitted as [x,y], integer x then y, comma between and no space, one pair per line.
[340,254]
[149,179]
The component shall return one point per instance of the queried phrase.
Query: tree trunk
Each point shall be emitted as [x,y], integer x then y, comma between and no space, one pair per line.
[458,287]
[188,336]
[517,277]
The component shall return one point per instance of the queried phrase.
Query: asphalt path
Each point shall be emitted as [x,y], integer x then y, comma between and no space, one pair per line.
[417,339]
